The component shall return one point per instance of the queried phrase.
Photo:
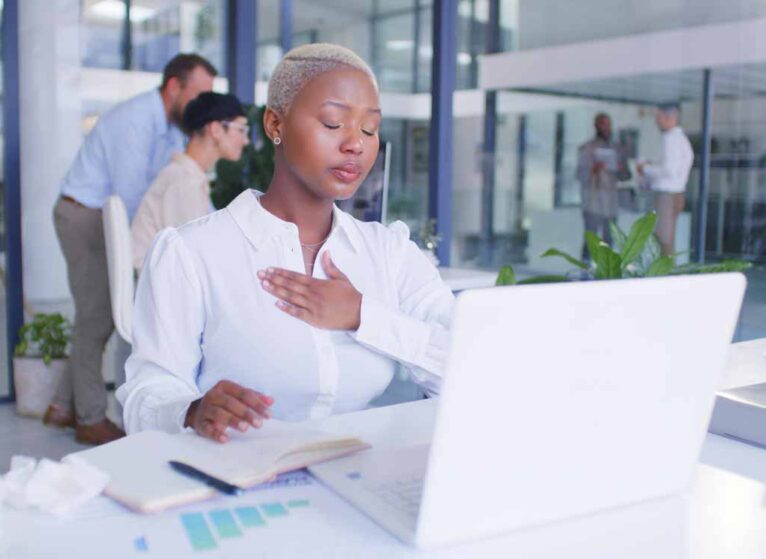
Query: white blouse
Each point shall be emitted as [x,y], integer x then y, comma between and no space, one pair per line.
[202,316]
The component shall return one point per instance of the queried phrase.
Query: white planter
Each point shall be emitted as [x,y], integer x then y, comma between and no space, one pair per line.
[36,384]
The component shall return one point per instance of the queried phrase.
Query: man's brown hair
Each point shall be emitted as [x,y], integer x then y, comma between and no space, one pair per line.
[184,64]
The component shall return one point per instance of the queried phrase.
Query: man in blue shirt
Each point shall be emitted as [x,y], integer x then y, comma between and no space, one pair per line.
[122,155]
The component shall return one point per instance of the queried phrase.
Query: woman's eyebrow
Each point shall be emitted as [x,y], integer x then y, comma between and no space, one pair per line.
[345,107]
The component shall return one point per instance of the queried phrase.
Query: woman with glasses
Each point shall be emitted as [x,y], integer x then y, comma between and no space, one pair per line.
[217,128]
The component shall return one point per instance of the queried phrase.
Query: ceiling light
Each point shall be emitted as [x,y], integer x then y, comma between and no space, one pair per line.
[400,44]
[115,10]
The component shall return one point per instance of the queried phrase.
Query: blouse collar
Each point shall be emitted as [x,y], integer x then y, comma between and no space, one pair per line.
[259,225]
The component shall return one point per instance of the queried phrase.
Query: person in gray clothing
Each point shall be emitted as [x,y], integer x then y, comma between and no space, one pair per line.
[601,163]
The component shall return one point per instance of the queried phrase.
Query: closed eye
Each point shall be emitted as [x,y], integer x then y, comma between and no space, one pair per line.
[331,126]
[369,132]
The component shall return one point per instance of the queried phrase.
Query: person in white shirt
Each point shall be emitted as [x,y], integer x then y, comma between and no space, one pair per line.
[217,128]
[282,305]
[668,178]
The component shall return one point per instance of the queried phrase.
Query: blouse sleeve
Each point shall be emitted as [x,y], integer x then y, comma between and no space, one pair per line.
[168,320]
[417,332]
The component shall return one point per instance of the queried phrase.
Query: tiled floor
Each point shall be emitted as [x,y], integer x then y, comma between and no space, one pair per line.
[29,437]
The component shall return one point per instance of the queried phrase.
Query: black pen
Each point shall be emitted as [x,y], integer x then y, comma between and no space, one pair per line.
[207,479]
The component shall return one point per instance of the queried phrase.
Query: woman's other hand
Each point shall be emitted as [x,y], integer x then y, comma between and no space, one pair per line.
[331,304]
[226,405]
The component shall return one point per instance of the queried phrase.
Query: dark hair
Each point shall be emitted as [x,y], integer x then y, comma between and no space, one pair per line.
[599,116]
[669,108]
[210,107]
[181,65]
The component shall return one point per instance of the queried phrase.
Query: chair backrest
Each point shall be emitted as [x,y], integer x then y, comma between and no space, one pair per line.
[119,257]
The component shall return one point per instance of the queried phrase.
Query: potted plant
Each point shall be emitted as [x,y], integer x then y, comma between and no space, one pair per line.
[39,362]
[632,255]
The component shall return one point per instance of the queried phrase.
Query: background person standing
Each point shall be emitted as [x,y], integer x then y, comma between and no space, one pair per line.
[668,178]
[121,155]
[601,163]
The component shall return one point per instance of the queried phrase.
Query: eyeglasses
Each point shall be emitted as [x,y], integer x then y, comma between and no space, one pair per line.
[243,129]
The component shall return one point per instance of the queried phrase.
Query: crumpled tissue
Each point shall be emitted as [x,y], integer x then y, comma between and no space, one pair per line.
[51,487]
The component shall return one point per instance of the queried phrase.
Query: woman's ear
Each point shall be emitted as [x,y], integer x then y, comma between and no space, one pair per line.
[272,124]
[215,130]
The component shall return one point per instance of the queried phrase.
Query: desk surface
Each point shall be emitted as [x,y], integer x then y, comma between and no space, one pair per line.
[722,516]
[462,278]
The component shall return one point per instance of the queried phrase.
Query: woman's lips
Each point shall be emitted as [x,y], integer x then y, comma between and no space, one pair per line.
[346,173]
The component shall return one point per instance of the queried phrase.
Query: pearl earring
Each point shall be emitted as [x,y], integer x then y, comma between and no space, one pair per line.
[277,141]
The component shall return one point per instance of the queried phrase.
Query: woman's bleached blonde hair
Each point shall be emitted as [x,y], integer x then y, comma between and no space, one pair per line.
[303,64]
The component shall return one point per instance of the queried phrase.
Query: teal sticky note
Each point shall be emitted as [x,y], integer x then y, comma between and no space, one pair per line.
[197,531]
[274,509]
[249,517]
[298,503]
[224,523]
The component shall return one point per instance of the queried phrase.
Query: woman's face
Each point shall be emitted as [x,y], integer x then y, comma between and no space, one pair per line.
[330,134]
[233,137]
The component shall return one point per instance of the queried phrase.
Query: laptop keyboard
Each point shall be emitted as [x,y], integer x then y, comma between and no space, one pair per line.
[403,494]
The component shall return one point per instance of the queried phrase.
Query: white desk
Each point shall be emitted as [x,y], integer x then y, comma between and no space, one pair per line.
[722,517]
[462,278]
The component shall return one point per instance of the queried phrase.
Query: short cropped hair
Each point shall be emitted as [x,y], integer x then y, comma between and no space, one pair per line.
[670,109]
[303,64]
[210,107]
[181,65]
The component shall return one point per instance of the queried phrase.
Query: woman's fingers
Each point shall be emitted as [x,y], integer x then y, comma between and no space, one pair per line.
[228,404]
[255,401]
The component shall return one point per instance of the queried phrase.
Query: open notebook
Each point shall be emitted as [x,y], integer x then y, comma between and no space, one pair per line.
[142,480]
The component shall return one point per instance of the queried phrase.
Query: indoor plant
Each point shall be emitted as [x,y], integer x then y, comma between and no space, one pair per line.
[632,255]
[39,361]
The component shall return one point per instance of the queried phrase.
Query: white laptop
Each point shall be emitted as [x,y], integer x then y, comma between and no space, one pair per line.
[558,400]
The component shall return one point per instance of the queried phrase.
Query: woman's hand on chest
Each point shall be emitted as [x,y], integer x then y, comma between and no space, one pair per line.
[331,304]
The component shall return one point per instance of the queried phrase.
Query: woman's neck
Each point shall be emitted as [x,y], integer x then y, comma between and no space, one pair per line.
[291,201]
[203,152]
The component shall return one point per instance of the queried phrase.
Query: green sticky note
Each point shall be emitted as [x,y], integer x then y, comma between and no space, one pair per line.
[274,509]
[249,517]
[224,523]
[197,531]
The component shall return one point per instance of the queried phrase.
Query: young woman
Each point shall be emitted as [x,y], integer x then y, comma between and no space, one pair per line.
[217,129]
[282,305]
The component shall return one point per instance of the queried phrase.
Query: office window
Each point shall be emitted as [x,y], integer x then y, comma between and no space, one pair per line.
[163,28]
[269,48]
[102,33]
[544,23]
[159,29]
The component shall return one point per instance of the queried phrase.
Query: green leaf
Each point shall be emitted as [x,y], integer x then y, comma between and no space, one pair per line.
[506,276]
[639,234]
[569,258]
[608,263]
[593,241]
[660,267]
[619,238]
[543,279]
[652,251]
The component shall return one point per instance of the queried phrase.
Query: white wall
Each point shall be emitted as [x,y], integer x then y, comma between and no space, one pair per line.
[49,88]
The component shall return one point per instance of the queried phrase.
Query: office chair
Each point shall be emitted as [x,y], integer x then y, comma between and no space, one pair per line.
[119,258]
